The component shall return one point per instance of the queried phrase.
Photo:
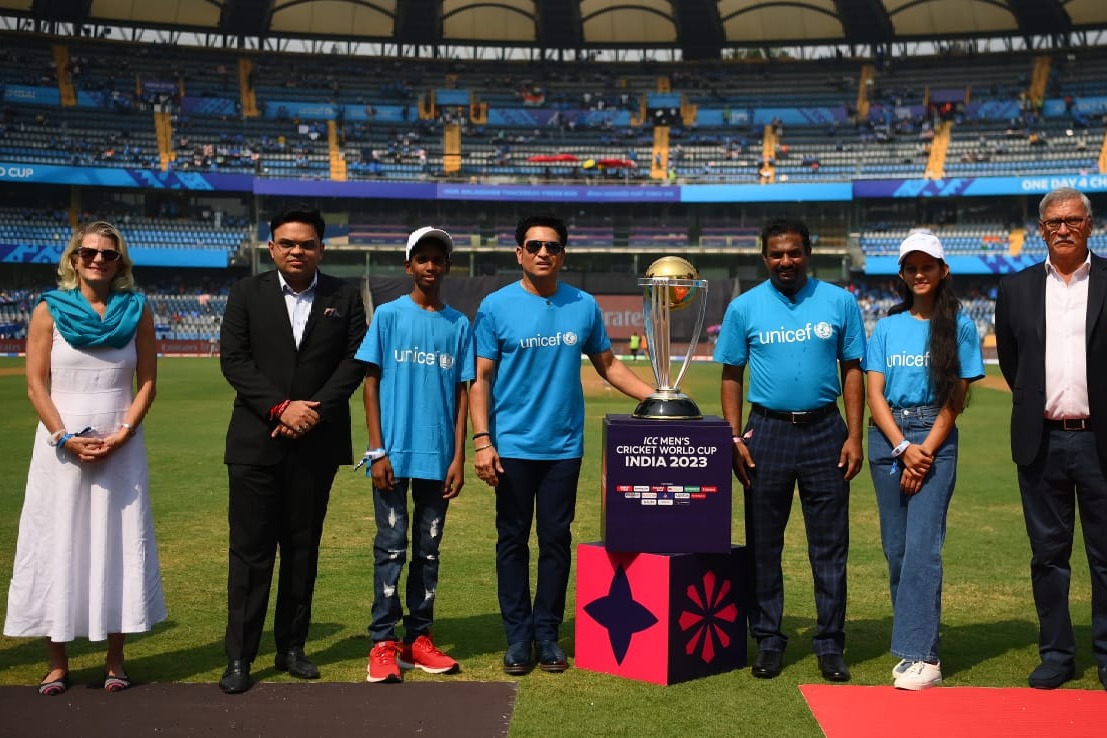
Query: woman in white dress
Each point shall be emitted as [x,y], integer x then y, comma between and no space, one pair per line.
[86,563]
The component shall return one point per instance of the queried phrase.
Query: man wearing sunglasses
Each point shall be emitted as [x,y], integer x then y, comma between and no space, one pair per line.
[527,408]
[287,348]
[1051,335]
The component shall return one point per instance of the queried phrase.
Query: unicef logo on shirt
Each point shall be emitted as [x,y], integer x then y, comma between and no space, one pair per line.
[822,330]
[428,359]
[544,341]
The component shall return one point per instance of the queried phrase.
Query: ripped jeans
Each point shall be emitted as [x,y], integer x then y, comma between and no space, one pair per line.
[390,554]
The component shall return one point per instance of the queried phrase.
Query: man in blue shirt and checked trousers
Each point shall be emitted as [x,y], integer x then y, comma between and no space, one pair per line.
[803,340]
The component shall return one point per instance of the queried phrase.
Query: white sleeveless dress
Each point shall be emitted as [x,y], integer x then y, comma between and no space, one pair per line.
[86,563]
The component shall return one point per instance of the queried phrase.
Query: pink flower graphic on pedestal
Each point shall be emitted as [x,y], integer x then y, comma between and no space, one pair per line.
[707,612]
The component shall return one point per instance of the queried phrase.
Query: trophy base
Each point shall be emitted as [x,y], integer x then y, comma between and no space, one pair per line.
[669,405]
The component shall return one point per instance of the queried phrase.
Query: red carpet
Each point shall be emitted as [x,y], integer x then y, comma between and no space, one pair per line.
[300,710]
[956,712]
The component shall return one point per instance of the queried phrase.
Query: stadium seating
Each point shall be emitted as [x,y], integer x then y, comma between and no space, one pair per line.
[132,80]
[717,137]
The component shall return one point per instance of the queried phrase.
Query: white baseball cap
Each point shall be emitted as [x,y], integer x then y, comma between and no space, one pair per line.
[923,241]
[429,232]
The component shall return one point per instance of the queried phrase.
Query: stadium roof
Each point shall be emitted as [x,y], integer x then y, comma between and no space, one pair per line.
[701,29]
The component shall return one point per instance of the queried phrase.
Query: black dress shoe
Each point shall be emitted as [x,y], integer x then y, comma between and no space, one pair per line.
[296,663]
[833,667]
[1052,674]
[1103,676]
[768,664]
[551,658]
[236,678]
[518,659]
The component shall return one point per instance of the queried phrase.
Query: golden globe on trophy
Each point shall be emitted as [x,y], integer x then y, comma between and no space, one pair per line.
[671,283]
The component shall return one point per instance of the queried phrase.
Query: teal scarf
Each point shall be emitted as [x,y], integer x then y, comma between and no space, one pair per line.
[81,326]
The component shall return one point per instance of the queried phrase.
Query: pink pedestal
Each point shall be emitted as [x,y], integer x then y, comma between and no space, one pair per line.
[661,618]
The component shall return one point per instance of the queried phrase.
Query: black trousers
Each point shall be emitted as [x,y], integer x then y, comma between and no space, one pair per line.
[273,507]
[1065,478]
[543,491]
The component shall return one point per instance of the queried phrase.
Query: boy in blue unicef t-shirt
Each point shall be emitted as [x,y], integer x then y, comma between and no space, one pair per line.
[419,353]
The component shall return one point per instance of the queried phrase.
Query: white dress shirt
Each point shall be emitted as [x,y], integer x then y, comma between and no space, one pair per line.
[298,305]
[1066,354]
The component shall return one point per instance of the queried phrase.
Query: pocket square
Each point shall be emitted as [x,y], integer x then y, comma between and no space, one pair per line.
[332,313]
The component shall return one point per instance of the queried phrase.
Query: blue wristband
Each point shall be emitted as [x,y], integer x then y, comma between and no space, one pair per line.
[62,441]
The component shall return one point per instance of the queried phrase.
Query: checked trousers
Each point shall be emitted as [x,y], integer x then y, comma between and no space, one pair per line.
[787,455]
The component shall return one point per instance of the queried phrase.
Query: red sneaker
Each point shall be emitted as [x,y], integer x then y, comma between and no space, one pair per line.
[382,663]
[423,654]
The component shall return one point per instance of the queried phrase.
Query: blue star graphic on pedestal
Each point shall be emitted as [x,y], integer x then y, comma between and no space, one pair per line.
[620,614]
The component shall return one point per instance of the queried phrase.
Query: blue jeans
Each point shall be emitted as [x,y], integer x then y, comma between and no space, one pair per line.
[546,492]
[912,530]
[390,553]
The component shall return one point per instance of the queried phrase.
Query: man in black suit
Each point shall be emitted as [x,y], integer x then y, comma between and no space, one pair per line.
[287,347]
[1051,333]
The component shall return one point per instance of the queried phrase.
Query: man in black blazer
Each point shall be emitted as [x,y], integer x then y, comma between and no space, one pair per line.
[1051,333]
[287,347]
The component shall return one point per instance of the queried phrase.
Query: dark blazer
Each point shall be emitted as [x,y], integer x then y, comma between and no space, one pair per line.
[1020,341]
[259,358]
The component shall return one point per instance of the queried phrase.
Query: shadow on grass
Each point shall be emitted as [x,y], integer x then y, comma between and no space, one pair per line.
[481,636]
[474,637]
[180,665]
[962,646]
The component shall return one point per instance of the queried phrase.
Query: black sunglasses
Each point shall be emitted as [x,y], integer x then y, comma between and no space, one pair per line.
[553,248]
[89,254]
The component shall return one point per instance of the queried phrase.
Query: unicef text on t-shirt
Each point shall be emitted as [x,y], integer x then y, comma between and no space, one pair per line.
[569,338]
[907,359]
[821,329]
[427,358]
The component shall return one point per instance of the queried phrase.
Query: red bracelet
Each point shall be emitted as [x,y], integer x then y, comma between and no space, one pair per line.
[278,410]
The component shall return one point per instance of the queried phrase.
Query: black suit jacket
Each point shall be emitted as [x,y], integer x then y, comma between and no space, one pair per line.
[259,357]
[1020,341]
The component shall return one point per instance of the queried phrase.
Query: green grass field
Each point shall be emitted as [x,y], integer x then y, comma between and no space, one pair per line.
[989,634]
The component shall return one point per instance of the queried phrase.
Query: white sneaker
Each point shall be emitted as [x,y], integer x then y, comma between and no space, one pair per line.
[901,667]
[919,675]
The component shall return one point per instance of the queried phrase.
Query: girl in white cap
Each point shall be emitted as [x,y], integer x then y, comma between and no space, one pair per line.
[919,363]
